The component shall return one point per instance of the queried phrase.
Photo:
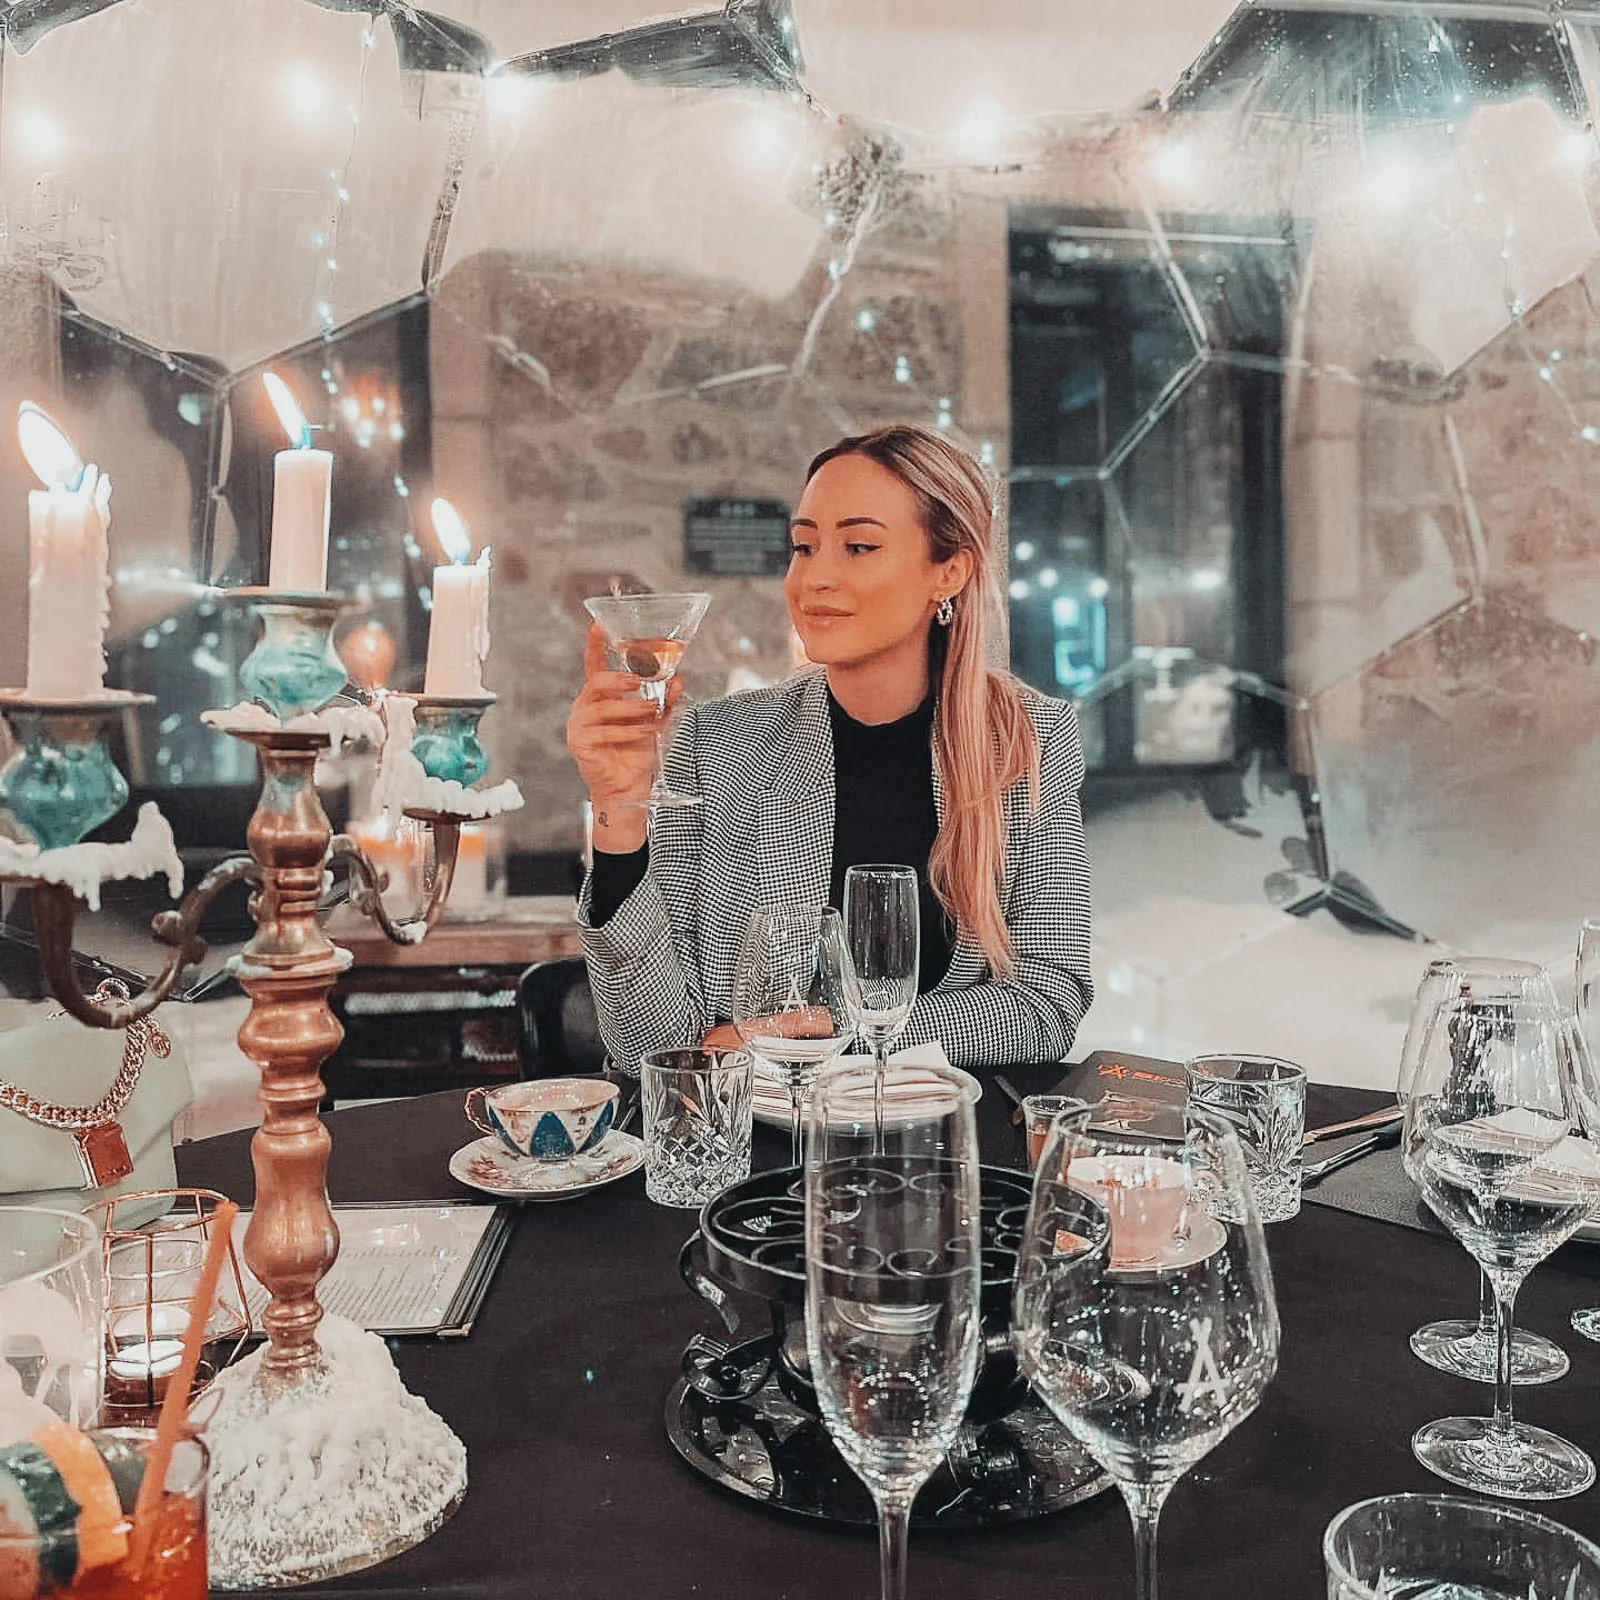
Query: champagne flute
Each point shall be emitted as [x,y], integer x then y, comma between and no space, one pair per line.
[1466,1348]
[796,1002]
[646,634]
[1145,1323]
[893,1272]
[1503,1161]
[883,921]
[1587,1046]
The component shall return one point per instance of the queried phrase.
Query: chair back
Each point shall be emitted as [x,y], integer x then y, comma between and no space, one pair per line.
[558,1030]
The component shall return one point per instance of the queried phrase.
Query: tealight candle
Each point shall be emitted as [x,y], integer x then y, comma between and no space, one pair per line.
[138,1372]
[146,1362]
[458,629]
[69,576]
[301,482]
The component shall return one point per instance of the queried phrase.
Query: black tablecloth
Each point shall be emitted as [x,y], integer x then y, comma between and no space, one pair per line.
[576,1493]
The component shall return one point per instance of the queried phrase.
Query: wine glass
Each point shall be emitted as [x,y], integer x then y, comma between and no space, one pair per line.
[646,634]
[796,1002]
[1503,1162]
[1466,1348]
[1145,1323]
[893,1271]
[883,922]
[1587,1021]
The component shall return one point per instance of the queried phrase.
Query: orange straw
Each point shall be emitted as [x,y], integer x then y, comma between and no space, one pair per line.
[175,1406]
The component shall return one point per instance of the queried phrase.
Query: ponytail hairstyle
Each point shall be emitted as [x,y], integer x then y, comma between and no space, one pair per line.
[983,739]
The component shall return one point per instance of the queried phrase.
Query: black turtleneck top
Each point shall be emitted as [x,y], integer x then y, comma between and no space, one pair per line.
[883,812]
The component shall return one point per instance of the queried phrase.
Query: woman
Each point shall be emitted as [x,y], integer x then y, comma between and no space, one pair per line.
[898,744]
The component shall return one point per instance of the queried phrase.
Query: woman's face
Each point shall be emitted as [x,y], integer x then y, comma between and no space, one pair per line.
[861,583]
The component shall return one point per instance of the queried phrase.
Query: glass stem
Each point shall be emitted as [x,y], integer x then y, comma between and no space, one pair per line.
[1505,1299]
[797,1102]
[656,694]
[1145,1501]
[894,1524]
[1485,1331]
[880,1064]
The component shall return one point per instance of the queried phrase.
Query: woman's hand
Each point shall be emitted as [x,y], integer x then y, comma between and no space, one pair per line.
[611,733]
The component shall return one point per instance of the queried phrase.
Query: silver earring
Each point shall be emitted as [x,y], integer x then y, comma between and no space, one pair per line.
[945,612]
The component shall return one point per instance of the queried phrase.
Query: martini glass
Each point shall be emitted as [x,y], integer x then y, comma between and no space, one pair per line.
[646,634]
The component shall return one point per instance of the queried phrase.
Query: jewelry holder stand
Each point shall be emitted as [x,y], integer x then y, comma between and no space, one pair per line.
[322,1463]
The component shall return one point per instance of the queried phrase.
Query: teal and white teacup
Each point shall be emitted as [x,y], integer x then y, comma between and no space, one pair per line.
[549,1119]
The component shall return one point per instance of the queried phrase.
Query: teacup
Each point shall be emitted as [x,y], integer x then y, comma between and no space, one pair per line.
[1146,1199]
[549,1119]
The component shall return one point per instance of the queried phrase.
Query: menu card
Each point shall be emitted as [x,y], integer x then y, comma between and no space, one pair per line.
[404,1268]
[1115,1078]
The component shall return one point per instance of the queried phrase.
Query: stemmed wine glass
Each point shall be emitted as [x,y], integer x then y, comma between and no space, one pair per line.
[1495,1134]
[1145,1323]
[883,923]
[1466,1348]
[1587,1044]
[796,1002]
[893,1271]
[646,634]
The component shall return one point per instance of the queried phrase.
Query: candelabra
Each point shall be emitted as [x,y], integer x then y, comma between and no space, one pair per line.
[322,1462]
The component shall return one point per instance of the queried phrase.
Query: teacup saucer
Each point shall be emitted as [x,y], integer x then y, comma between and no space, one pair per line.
[1205,1237]
[486,1164]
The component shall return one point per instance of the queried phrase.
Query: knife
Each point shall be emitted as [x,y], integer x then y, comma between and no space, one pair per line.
[1013,1094]
[1383,1117]
[1318,1170]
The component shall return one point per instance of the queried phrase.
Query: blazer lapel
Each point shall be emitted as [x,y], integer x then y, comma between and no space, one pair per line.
[795,848]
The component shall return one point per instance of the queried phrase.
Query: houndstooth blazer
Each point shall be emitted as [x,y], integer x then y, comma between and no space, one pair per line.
[662,966]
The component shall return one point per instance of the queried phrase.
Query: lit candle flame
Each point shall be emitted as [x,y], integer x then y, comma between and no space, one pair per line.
[454,537]
[289,414]
[47,449]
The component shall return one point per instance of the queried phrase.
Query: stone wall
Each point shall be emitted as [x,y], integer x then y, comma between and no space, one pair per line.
[576,407]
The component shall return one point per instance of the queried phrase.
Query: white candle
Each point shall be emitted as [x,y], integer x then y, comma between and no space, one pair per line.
[138,1373]
[302,479]
[458,627]
[69,577]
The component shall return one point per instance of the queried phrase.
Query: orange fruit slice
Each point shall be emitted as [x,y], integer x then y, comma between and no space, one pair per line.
[102,1534]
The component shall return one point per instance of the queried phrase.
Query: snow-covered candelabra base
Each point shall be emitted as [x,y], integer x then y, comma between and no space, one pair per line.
[342,724]
[340,1471]
[84,867]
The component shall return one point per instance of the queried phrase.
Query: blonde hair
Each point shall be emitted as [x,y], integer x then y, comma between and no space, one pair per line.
[983,738]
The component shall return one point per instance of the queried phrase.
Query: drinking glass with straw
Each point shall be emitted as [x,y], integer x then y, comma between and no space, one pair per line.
[79,1539]
[173,1420]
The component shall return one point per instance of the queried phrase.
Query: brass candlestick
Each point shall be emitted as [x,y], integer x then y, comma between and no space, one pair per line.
[406,1469]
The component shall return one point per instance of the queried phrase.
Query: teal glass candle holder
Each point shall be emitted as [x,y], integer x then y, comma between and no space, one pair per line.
[294,667]
[61,780]
[446,740]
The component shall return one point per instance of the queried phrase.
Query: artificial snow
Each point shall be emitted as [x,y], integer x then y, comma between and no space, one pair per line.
[84,867]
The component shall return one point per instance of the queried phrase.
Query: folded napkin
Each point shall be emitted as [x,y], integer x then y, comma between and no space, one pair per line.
[919,1055]
[904,1081]
[930,1054]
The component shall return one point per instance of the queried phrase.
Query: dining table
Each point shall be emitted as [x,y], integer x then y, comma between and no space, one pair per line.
[576,1492]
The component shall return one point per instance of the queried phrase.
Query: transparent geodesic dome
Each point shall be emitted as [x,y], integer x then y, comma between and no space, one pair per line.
[1275,323]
